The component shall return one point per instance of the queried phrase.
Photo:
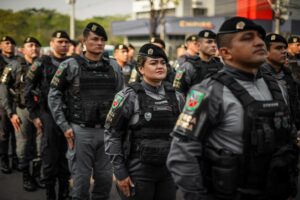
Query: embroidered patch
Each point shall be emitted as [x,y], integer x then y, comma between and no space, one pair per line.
[194,100]
[5,74]
[117,101]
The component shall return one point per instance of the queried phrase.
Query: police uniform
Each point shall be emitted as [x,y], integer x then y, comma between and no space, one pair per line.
[54,145]
[193,70]
[87,88]
[137,134]
[12,94]
[8,130]
[232,138]
[294,60]
[127,68]
[285,78]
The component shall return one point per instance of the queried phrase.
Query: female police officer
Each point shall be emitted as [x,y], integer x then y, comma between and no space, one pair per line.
[137,130]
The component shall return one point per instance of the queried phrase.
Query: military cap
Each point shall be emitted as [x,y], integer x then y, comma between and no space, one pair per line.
[152,51]
[7,38]
[181,46]
[74,42]
[240,24]
[131,46]
[273,37]
[192,38]
[207,34]
[294,39]
[32,39]
[159,41]
[61,34]
[97,29]
[121,46]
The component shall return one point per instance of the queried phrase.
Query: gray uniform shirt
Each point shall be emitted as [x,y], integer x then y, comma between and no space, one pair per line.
[7,79]
[126,112]
[220,113]
[68,74]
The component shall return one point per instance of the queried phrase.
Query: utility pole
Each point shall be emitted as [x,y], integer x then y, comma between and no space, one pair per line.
[72,18]
[277,12]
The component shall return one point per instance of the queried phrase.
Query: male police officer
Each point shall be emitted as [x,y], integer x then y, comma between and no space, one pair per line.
[235,139]
[54,145]
[7,46]
[294,56]
[276,58]
[12,88]
[89,84]
[121,56]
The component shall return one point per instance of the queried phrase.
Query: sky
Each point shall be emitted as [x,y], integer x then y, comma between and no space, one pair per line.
[83,8]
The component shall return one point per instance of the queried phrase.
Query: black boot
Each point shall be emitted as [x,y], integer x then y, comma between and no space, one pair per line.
[63,190]
[15,164]
[5,168]
[50,192]
[28,183]
[36,174]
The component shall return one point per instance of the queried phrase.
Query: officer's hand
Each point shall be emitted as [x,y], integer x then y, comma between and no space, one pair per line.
[70,138]
[125,185]
[16,122]
[38,125]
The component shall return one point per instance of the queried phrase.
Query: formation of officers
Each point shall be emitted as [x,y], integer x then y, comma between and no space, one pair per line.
[221,124]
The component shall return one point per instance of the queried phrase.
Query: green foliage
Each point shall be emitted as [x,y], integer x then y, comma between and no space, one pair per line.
[41,23]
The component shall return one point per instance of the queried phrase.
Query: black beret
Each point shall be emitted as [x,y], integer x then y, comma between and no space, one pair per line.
[181,46]
[273,37]
[192,38]
[294,39]
[159,41]
[131,46]
[121,46]
[97,29]
[239,24]
[74,42]
[61,34]
[207,34]
[32,39]
[153,51]
[7,38]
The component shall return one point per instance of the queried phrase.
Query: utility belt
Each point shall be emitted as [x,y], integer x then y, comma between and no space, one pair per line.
[88,125]
[225,178]
[151,151]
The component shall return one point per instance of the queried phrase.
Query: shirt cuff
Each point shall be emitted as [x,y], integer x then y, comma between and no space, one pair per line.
[64,126]
[120,172]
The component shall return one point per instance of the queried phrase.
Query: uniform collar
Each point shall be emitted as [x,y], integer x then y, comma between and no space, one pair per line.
[241,75]
[151,88]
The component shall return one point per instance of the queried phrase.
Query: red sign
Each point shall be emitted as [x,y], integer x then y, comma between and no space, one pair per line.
[254,9]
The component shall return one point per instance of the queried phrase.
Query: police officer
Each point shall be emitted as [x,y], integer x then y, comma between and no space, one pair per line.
[137,130]
[121,56]
[294,56]
[12,88]
[276,57]
[234,138]
[89,83]
[7,46]
[54,145]
[196,68]
[187,67]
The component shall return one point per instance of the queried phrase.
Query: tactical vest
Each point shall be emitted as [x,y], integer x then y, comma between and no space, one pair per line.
[20,83]
[90,101]
[50,65]
[268,156]
[151,134]
[203,69]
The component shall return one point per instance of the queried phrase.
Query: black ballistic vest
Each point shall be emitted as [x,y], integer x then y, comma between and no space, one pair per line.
[268,158]
[157,117]
[50,65]
[204,69]
[151,134]
[90,101]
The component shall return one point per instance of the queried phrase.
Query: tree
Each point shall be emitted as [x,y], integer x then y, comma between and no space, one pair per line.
[157,16]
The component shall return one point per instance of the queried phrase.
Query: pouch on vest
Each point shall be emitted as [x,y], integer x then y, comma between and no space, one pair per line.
[154,151]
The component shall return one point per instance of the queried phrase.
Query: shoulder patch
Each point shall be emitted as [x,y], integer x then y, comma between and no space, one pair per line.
[194,100]
[5,74]
[178,77]
[117,101]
